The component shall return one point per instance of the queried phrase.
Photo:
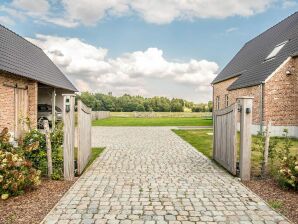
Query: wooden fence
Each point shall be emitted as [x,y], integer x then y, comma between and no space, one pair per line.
[84,136]
[225,138]
[98,115]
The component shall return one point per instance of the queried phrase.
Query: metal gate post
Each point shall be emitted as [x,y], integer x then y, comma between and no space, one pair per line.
[245,104]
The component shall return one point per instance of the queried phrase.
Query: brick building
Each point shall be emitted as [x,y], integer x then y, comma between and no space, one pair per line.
[266,68]
[27,78]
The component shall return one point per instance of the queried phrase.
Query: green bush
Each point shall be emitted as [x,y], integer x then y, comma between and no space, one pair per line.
[283,164]
[39,155]
[287,174]
[16,172]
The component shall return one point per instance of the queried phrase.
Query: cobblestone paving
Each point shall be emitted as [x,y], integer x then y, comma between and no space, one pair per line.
[150,175]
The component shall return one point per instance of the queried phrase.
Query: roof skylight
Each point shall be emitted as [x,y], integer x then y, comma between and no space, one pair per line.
[276,50]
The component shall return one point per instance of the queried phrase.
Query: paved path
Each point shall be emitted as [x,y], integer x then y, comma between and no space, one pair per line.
[150,175]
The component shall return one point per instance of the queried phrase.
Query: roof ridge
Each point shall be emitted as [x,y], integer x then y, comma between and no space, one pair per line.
[271,27]
[20,36]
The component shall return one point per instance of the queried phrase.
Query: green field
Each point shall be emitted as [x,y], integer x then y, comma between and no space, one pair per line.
[164,121]
[202,141]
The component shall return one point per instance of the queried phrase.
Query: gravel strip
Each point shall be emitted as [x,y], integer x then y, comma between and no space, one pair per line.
[33,206]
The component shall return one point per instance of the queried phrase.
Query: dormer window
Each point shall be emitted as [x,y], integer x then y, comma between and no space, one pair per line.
[276,50]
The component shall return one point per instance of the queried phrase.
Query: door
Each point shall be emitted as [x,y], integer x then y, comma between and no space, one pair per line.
[21,111]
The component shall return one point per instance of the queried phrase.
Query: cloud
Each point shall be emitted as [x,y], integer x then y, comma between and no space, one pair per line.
[163,12]
[89,12]
[232,29]
[72,13]
[12,13]
[90,68]
[7,21]
[289,4]
[36,7]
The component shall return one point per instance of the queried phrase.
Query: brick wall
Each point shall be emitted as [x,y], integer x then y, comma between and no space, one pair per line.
[220,89]
[280,96]
[7,102]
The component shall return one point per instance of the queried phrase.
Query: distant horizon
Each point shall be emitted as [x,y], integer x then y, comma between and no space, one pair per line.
[149,48]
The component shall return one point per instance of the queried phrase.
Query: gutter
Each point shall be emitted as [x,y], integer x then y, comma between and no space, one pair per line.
[262,98]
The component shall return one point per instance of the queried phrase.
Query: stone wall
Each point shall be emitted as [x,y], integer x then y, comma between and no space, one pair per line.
[281,95]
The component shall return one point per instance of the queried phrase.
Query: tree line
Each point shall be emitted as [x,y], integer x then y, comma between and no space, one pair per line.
[128,103]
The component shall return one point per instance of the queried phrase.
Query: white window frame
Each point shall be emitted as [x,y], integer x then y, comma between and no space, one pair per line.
[276,50]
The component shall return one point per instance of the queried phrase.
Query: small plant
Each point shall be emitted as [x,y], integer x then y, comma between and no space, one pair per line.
[276,204]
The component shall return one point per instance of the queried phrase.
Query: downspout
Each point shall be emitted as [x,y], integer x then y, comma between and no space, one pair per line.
[262,96]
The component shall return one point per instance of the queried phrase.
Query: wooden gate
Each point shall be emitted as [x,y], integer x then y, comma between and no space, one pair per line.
[225,138]
[84,135]
[21,111]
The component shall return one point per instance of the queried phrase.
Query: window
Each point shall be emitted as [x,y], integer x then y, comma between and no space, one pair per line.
[217,103]
[276,50]
[226,100]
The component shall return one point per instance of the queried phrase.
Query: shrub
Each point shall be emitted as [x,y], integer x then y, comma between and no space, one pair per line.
[39,156]
[287,174]
[16,172]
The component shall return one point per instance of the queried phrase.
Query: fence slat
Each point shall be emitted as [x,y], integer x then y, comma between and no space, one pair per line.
[84,135]
[224,151]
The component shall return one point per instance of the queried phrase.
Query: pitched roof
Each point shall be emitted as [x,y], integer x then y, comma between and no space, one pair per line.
[20,57]
[250,62]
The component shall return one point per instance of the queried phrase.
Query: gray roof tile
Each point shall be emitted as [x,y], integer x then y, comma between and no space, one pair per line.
[249,63]
[20,57]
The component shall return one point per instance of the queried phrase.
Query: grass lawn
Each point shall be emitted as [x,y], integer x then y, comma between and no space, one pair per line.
[198,139]
[186,121]
[203,143]
[94,154]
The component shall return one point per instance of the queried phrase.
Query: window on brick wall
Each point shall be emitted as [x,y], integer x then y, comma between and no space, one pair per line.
[226,100]
[217,102]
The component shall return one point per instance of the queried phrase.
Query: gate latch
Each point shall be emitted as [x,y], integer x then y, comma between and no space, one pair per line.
[239,108]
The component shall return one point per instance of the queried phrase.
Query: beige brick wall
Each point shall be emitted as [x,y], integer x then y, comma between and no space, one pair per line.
[220,89]
[280,96]
[7,102]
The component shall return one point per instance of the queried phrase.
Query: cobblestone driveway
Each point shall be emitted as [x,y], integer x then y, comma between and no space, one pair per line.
[150,175]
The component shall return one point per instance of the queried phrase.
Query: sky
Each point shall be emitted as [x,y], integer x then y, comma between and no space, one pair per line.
[172,48]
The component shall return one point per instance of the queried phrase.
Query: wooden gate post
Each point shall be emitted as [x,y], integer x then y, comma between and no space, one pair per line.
[69,135]
[49,147]
[245,103]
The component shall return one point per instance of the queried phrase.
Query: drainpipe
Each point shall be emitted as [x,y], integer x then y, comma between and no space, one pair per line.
[262,96]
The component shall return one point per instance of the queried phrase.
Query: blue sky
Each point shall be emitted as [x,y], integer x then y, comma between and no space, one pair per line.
[170,48]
